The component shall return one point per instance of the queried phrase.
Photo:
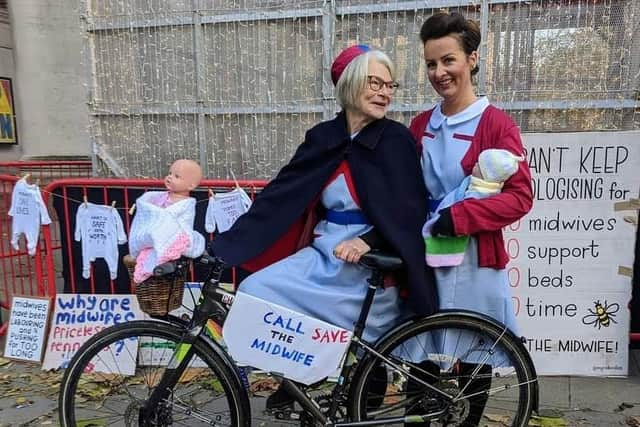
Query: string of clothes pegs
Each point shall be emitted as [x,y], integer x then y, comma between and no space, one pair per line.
[27,177]
[131,209]
[85,201]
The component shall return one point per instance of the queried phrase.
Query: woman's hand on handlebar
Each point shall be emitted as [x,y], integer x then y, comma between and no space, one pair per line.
[351,250]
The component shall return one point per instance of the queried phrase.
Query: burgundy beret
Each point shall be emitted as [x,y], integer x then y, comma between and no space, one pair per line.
[344,58]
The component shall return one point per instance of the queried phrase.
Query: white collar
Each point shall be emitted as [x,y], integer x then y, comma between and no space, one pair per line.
[473,110]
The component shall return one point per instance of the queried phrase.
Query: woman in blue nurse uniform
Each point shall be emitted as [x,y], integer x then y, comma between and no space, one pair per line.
[356,173]
[451,137]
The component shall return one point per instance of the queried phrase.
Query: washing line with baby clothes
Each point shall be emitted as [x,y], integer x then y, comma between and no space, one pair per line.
[28,212]
[225,208]
[100,230]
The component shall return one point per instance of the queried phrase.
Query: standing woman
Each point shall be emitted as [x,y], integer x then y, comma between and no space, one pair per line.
[451,137]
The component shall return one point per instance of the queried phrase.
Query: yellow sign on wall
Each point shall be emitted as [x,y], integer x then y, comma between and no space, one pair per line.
[8,130]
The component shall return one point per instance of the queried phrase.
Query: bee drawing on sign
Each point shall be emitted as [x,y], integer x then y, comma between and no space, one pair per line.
[602,315]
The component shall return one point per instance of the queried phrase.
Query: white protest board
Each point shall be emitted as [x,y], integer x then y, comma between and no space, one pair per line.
[76,317]
[28,320]
[570,301]
[273,338]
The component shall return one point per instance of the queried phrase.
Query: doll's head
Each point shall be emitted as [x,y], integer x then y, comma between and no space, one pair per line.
[184,175]
[496,165]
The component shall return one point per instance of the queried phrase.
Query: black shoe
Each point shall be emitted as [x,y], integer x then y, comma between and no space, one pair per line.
[431,376]
[280,399]
[482,381]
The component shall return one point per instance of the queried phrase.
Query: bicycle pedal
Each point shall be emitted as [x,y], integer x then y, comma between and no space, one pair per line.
[283,413]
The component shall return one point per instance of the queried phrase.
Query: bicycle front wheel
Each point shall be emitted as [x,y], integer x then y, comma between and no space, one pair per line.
[110,377]
[482,374]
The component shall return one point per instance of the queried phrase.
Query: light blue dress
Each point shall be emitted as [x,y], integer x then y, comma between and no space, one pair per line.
[314,282]
[466,286]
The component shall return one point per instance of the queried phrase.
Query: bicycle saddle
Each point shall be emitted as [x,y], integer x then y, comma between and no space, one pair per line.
[376,260]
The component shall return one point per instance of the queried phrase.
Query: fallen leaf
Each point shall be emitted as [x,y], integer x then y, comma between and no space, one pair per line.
[621,407]
[498,418]
[264,384]
[550,413]
[633,421]
[213,384]
[539,421]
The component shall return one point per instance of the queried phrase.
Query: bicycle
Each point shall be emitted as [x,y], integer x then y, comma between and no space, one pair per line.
[189,379]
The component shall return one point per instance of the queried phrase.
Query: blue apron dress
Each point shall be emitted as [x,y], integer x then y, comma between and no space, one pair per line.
[466,286]
[314,282]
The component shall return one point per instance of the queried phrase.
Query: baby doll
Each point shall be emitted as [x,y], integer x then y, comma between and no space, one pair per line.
[487,177]
[162,229]
[493,168]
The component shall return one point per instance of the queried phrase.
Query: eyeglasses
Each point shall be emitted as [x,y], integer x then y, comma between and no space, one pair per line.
[376,84]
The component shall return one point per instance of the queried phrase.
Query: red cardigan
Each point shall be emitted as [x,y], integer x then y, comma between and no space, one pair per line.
[485,218]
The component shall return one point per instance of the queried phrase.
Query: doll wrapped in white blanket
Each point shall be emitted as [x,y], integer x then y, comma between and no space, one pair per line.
[162,229]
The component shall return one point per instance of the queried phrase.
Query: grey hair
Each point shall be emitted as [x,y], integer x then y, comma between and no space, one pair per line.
[354,77]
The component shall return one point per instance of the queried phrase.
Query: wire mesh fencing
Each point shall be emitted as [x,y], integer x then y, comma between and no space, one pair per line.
[235,84]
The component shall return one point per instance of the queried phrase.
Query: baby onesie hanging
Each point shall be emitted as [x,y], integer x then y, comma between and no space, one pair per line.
[225,208]
[28,212]
[100,229]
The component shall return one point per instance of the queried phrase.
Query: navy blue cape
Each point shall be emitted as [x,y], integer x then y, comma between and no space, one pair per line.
[388,179]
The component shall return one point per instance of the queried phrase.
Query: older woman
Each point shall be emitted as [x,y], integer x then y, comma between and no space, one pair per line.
[356,173]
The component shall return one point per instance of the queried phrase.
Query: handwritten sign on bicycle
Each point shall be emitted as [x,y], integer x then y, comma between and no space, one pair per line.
[273,338]
[27,327]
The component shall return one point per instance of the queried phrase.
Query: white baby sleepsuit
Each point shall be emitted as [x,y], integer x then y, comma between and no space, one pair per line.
[100,229]
[28,212]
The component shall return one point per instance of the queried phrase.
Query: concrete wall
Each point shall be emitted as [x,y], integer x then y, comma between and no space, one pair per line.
[48,85]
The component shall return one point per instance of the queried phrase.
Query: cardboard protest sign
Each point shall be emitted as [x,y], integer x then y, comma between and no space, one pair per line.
[28,320]
[570,301]
[273,338]
[76,317]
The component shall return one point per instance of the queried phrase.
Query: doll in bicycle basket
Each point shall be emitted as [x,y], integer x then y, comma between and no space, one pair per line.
[351,186]
[162,229]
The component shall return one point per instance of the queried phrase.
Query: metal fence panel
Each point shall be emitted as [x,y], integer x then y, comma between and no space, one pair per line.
[236,83]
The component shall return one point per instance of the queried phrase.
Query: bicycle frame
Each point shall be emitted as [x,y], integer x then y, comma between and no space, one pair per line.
[207,306]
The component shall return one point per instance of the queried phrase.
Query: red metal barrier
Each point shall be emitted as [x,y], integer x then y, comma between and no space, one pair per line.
[101,191]
[20,273]
[47,171]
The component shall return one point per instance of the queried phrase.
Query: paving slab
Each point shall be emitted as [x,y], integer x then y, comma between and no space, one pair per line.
[554,392]
[25,413]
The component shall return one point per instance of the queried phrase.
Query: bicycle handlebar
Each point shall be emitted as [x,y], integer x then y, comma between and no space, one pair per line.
[166,268]
[173,266]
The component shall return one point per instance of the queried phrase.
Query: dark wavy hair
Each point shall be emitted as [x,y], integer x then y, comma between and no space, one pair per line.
[454,24]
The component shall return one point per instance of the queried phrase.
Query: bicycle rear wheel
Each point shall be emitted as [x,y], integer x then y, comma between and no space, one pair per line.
[112,374]
[483,368]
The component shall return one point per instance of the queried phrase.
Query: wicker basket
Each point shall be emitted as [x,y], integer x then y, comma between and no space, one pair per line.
[157,295]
